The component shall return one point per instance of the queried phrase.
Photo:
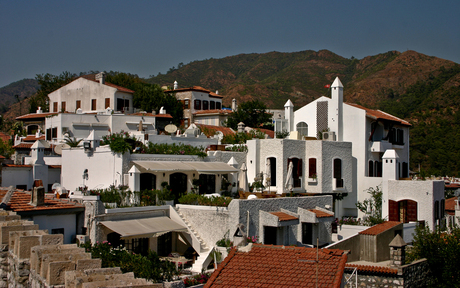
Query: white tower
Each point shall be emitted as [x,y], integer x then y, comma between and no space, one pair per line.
[390,172]
[336,124]
[176,85]
[234,106]
[289,114]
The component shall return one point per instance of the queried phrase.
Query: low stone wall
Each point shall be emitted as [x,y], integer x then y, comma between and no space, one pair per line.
[376,281]
[416,273]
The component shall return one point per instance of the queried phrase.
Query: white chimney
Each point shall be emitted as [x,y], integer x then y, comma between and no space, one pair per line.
[234,106]
[100,77]
[39,110]
[217,92]
[176,85]
[337,109]
[162,110]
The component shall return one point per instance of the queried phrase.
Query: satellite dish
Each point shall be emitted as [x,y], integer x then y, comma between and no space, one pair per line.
[58,150]
[55,186]
[171,128]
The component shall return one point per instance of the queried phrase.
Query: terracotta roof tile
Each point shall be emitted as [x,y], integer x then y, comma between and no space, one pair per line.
[210,130]
[214,95]
[321,214]
[32,138]
[284,216]
[368,269]
[19,202]
[270,133]
[92,77]
[35,116]
[213,111]
[380,114]
[279,266]
[450,205]
[379,228]
[151,115]
[23,146]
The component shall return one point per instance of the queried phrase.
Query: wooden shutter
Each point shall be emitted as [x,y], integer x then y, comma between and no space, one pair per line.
[311,167]
[411,211]
[107,102]
[393,210]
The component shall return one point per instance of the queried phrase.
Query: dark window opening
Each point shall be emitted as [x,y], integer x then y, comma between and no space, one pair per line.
[212,105]
[307,233]
[270,235]
[371,168]
[272,161]
[296,171]
[197,104]
[148,181]
[54,133]
[93,104]
[205,105]
[23,187]
[405,170]
[312,168]
[218,105]
[78,104]
[207,184]
[164,246]
[338,173]
[57,231]
[122,104]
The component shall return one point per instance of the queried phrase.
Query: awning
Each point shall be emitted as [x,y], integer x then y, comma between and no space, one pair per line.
[143,228]
[200,167]
[212,167]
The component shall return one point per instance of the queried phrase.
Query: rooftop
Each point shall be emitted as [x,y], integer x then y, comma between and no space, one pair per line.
[92,77]
[195,88]
[260,265]
[321,214]
[284,216]
[20,202]
[379,228]
[377,114]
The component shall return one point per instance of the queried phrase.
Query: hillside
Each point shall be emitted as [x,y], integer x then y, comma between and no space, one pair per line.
[422,89]
[23,88]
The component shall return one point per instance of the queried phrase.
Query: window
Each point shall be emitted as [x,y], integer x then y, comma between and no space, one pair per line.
[378,169]
[297,171]
[218,105]
[63,106]
[57,231]
[338,173]
[93,104]
[405,170]
[436,210]
[135,245]
[107,102]
[212,105]
[55,107]
[205,105]
[78,104]
[187,104]
[197,104]
[272,161]
[302,128]
[54,133]
[207,184]
[122,104]
[307,233]
[147,181]
[371,169]
[312,168]
[48,134]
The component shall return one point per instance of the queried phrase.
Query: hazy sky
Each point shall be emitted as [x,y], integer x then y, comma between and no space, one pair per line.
[148,37]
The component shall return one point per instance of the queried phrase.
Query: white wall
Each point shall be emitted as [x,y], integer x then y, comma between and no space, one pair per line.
[104,168]
[66,221]
[17,176]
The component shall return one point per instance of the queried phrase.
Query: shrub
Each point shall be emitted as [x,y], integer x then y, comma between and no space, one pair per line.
[174,149]
[195,199]
[197,279]
[119,142]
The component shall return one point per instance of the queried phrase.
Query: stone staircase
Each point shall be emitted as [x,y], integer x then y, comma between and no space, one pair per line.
[203,246]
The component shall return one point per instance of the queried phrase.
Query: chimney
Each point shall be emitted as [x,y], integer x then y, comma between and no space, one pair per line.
[241,127]
[176,85]
[100,77]
[39,110]
[38,194]
[217,92]
[337,105]
[397,251]
[234,107]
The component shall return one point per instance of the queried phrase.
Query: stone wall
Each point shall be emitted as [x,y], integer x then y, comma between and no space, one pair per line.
[33,258]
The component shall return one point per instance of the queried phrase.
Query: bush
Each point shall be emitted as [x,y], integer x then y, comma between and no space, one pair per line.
[119,142]
[197,279]
[195,199]
[174,149]
[149,267]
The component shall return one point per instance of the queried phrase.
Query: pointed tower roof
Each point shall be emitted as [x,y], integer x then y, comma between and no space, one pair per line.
[398,241]
[39,144]
[232,162]
[337,83]
[289,104]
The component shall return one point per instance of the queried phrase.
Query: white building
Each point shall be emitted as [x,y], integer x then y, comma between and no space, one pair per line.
[371,133]
[91,94]
[195,100]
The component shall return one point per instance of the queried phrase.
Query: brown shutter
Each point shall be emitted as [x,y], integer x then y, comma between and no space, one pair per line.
[393,211]
[411,210]
[107,102]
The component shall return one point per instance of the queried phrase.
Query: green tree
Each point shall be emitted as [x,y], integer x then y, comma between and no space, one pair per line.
[372,207]
[251,113]
[6,149]
[442,251]
[48,83]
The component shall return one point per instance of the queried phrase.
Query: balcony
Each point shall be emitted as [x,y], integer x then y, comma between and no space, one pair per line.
[380,146]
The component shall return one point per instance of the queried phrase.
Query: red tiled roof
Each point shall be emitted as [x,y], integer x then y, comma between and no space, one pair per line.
[379,228]
[210,130]
[214,95]
[380,114]
[36,115]
[453,186]
[450,205]
[19,202]
[270,133]
[368,269]
[32,138]
[193,88]
[321,214]
[279,266]
[23,146]
[17,166]
[284,216]
[4,137]
[213,111]
[152,115]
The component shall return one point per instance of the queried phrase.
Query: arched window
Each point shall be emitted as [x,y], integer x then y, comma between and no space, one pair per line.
[371,169]
[302,128]
[297,171]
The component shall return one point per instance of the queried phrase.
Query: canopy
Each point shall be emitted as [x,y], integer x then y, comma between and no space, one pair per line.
[200,167]
[143,228]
